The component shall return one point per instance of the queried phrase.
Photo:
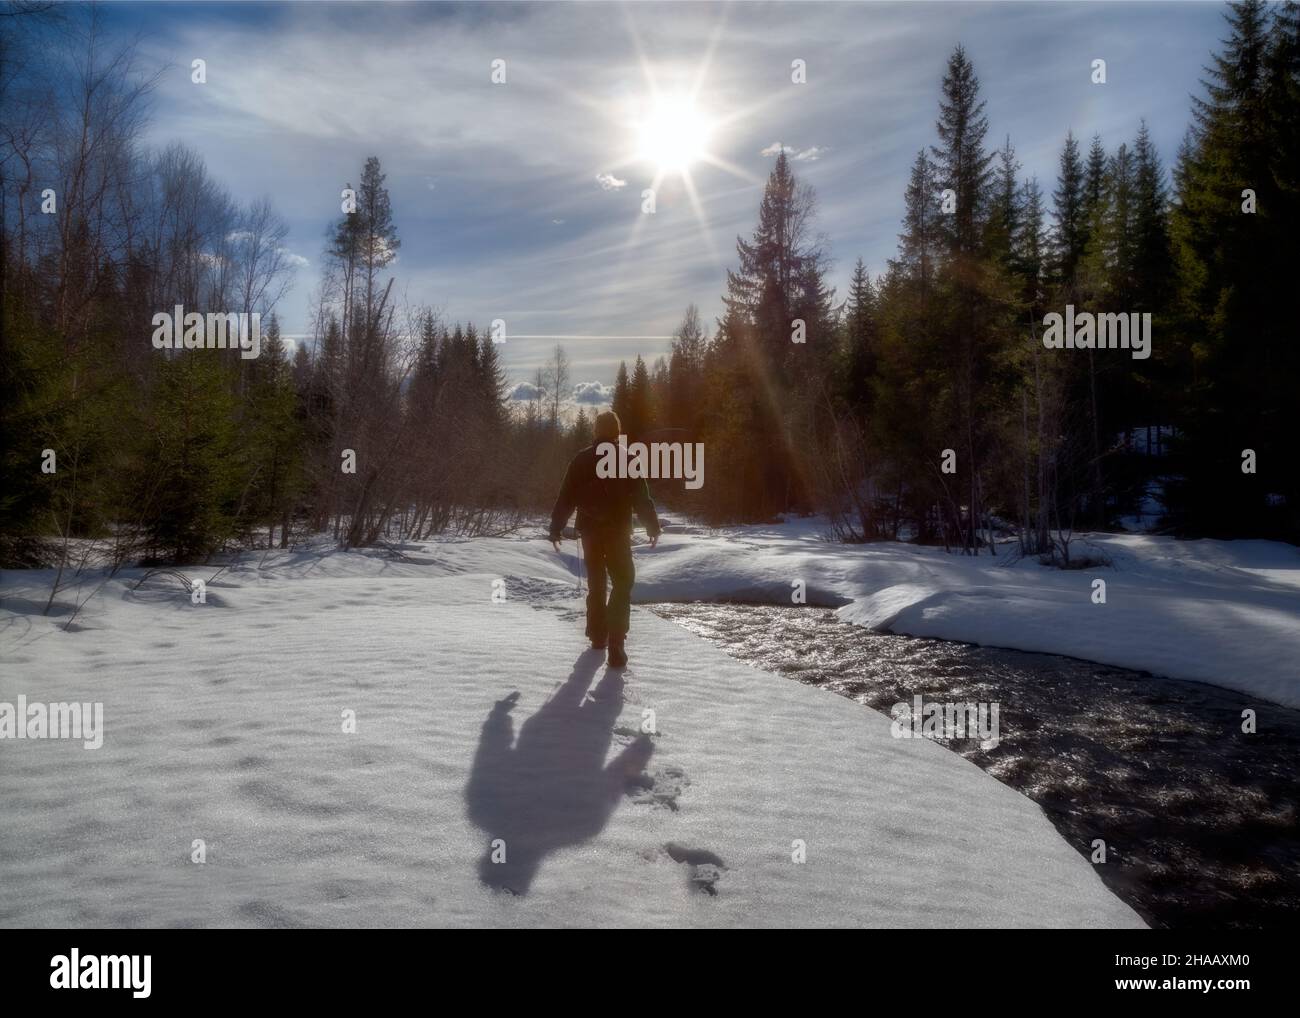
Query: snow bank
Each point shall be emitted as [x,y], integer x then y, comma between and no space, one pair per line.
[1224,612]
[478,721]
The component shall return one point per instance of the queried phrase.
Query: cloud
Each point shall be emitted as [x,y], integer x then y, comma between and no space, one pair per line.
[807,155]
[295,260]
[525,392]
[344,87]
[592,393]
[584,393]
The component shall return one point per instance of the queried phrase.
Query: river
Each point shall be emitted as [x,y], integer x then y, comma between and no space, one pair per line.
[1199,818]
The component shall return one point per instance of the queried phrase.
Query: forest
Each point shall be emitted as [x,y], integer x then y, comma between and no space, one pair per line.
[921,405]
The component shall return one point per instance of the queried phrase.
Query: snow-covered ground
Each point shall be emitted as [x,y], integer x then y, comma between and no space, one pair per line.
[479,721]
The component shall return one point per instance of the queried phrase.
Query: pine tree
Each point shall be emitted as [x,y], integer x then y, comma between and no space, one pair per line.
[490,387]
[660,393]
[1070,235]
[422,395]
[962,165]
[860,340]
[778,266]
[1004,222]
[621,403]
[582,435]
[976,304]
[375,230]
[685,371]
[919,241]
[779,281]
[690,339]
[1114,240]
[1236,267]
[1152,257]
[640,410]
[1282,100]
[192,465]
[1094,181]
[274,448]
[1030,248]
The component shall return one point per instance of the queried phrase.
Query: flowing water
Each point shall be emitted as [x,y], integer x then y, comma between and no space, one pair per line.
[1199,818]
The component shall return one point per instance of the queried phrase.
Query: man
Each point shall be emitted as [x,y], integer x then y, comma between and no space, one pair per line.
[605,506]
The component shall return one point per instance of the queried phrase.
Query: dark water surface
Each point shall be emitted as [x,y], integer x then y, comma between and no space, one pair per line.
[1199,819]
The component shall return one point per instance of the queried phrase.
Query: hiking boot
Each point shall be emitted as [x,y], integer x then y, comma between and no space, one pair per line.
[597,643]
[617,656]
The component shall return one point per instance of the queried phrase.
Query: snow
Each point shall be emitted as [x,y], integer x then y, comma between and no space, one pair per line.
[478,721]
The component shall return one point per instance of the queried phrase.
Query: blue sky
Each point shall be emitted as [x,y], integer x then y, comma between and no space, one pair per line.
[495,187]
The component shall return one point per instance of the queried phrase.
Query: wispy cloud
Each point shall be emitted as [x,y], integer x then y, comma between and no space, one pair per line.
[298,95]
[808,155]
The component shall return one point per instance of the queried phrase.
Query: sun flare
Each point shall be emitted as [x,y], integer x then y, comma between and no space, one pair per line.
[673,135]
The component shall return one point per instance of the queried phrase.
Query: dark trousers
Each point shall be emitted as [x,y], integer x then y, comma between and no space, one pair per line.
[608,554]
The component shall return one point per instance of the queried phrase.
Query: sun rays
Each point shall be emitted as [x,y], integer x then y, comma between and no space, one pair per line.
[674,131]
[666,128]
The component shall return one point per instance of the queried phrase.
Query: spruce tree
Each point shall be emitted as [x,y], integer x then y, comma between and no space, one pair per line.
[962,164]
[1152,257]
[639,403]
[779,281]
[274,443]
[581,436]
[1004,222]
[685,371]
[1069,213]
[621,403]
[919,242]
[1235,282]
[1094,181]
[1030,248]
[860,340]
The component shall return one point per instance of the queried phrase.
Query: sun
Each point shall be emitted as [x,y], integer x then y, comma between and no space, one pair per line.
[670,133]
[673,135]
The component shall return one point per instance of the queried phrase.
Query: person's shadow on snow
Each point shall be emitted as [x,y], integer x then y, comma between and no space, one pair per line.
[550,788]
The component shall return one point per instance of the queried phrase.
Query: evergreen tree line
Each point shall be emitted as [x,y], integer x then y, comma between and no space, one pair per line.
[924,405]
[158,455]
[384,423]
[405,417]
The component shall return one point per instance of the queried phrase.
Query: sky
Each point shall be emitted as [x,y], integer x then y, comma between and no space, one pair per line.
[522,200]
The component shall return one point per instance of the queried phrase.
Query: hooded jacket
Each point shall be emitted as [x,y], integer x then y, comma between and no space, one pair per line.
[604,504]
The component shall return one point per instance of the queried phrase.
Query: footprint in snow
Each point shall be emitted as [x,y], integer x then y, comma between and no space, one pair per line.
[705,867]
[662,788]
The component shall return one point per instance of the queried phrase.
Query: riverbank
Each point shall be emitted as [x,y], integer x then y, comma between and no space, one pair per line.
[1222,612]
[362,739]
[1197,817]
